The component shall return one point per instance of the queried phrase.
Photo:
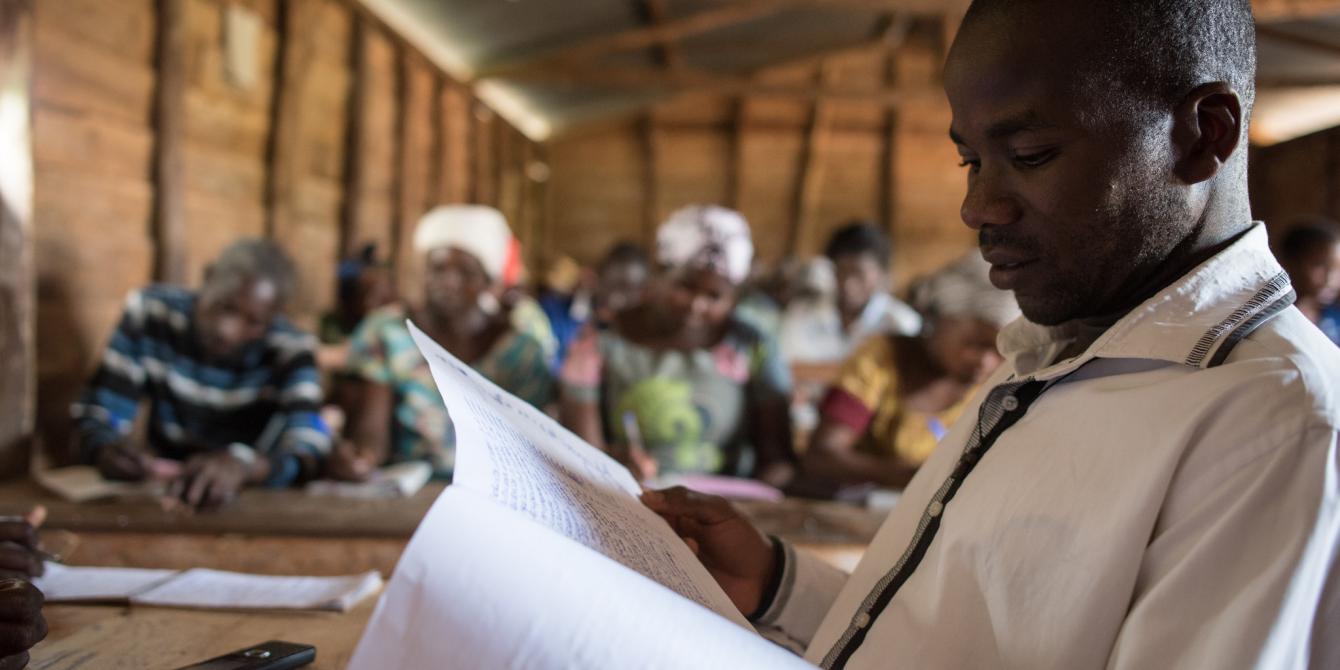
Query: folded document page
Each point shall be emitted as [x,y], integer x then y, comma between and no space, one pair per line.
[541,555]
[206,589]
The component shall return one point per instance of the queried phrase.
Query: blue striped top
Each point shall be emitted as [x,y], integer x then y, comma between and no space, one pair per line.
[267,397]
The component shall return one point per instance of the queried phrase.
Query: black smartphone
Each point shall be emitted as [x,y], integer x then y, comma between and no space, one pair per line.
[272,655]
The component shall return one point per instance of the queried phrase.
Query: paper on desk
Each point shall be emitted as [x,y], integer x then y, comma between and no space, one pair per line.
[401,480]
[63,583]
[82,483]
[215,589]
[483,586]
[514,454]
[205,589]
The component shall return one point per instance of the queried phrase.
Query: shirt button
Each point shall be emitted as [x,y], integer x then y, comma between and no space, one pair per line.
[935,509]
[862,620]
[1009,403]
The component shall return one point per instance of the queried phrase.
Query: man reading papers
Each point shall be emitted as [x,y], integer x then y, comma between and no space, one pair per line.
[1150,481]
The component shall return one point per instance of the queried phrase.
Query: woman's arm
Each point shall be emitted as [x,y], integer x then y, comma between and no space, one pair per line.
[833,457]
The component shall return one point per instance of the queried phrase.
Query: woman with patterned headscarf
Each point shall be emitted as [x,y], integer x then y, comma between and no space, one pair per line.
[896,394]
[679,385]
[468,257]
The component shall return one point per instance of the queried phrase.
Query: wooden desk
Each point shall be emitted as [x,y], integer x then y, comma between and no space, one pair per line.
[287,532]
[147,638]
[264,531]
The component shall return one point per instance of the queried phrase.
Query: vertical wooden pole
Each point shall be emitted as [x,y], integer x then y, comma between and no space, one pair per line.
[888,178]
[650,179]
[735,166]
[297,52]
[18,293]
[810,180]
[169,220]
[353,138]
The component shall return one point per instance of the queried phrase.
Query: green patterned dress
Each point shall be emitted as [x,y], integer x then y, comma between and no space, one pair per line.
[382,352]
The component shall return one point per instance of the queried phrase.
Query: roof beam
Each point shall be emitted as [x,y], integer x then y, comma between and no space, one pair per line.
[1269,11]
[729,14]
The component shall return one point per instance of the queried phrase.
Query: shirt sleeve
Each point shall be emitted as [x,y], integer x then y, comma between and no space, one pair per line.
[305,440]
[865,380]
[105,412]
[806,591]
[1235,569]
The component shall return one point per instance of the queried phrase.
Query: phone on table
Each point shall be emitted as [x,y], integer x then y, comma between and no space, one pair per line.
[272,655]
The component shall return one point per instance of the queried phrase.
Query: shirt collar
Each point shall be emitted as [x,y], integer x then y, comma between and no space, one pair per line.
[1195,321]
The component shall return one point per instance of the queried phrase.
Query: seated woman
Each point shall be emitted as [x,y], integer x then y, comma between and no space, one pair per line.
[896,394]
[394,412]
[678,385]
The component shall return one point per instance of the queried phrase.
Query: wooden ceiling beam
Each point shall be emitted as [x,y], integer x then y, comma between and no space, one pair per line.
[655,14]
[728,14]
[1271,11]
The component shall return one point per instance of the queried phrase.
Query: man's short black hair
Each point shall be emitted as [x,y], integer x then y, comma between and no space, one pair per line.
[1306,236]
[625,253]
[1157,51]
[859,237]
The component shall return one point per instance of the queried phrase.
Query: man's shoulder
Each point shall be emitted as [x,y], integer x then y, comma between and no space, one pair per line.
[1288,360]
[288,340]
[156,298]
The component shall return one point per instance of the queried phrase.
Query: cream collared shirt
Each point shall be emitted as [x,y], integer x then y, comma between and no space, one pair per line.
[1170,499]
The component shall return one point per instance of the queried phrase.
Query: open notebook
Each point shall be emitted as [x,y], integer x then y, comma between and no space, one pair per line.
[541,555]
[204,589]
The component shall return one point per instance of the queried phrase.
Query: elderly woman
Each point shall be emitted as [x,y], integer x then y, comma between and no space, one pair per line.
[678,385]
[896,394]
[395,412]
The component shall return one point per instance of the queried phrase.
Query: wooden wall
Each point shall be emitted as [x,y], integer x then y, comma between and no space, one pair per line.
[166,129]
[1296,178]
[796,166]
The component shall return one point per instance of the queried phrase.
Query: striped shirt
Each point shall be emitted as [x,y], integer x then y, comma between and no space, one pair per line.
[267,397]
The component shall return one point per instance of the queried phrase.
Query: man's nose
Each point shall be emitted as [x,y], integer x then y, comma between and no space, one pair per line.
[986,203]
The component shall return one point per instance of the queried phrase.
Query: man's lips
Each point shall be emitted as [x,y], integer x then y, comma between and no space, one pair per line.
[1007,267]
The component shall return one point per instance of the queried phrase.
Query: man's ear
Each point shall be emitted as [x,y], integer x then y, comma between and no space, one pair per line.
[1207,128]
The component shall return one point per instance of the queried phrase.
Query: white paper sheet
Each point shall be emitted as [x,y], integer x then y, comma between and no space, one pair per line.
[63,583]
[215,589]
[482,586]
[520,458]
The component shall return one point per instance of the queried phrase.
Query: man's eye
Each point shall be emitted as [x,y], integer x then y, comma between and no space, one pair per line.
[1035,159]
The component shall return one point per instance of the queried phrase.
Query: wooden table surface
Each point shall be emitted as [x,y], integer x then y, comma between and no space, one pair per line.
[148,638]
[288,532]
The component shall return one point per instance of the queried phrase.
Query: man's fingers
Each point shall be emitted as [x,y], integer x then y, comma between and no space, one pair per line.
[18,531]
[195,492]
[16,662]
[680,501]
[19,600]
[19,559]
[19,637]
[36,516]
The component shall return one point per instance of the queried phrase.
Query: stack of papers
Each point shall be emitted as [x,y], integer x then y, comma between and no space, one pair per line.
[540,554]
[204,589]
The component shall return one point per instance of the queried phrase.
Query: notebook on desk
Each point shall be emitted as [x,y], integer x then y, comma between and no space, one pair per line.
[200,588]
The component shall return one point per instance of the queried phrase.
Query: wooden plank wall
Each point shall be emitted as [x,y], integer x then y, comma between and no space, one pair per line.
[796,167]
[17,290]
[1296,178]
[307,121]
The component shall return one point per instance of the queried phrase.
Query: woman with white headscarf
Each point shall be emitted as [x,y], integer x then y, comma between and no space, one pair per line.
[468,257]
[896,394]
[679,385]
